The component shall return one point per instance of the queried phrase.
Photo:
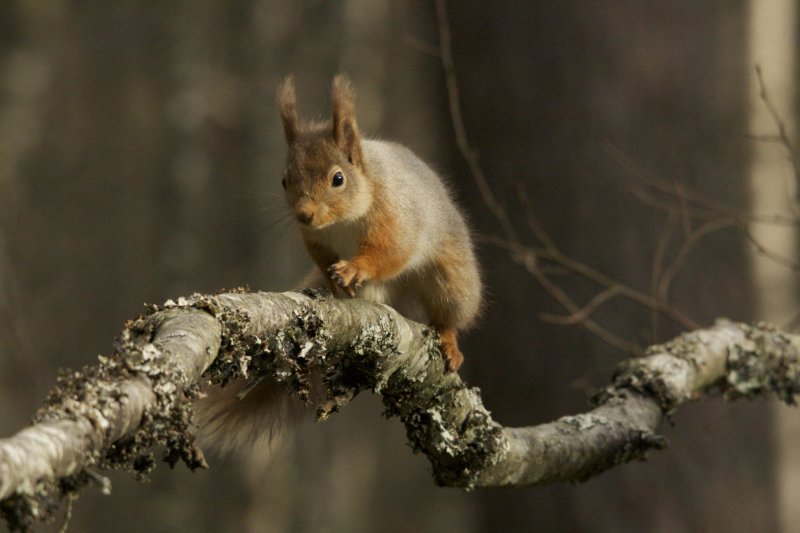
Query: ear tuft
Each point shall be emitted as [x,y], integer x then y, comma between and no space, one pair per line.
[286,108]
[344,97]
[345,129]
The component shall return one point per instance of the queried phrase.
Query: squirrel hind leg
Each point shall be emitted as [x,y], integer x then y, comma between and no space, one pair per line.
[451,294]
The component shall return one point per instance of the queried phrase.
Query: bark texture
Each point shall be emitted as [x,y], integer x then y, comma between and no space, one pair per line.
[112,414]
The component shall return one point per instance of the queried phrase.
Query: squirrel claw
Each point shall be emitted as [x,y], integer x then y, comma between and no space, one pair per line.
[453,357]
[351,292]
[347,276]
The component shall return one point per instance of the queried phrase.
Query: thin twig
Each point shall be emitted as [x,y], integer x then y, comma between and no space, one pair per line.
[700,205]
[583,313]
[552,253]
[529,259]
[587,323]
[658,265]
[680,258]
[533,222]
[769,254]
[718,215]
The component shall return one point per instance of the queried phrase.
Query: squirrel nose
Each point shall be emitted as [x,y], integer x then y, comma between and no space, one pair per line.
[305,215]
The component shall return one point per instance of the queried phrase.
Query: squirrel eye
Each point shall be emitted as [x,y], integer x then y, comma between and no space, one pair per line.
[283,182]
[338,179]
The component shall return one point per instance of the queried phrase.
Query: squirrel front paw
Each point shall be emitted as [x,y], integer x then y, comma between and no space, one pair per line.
[348,276]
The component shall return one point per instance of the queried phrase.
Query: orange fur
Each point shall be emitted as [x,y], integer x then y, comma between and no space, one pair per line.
[452,355]
[380,255]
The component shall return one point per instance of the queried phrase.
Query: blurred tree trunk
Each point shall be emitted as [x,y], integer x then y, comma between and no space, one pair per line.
[773,47]
[545,84]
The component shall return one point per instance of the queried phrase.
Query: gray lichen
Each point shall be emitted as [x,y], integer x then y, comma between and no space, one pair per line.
[653,375]
[165,423]
[24,510]
[446,421]
[584,421]
[768,361]
[636,448]
[292,355]
[359,367]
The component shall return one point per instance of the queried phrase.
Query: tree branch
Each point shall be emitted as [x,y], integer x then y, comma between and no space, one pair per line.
[112,414]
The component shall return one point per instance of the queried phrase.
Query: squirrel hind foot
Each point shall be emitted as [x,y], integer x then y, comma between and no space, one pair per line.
[453,357]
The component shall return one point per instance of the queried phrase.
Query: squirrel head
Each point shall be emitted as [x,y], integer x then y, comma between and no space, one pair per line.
[325,179]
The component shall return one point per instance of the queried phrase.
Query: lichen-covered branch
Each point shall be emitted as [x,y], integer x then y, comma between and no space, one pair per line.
[111,415]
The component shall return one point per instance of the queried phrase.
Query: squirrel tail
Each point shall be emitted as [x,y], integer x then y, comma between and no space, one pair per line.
[232,418]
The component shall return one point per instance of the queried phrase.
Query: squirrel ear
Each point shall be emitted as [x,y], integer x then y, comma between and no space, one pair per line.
[286,108]
[345,130]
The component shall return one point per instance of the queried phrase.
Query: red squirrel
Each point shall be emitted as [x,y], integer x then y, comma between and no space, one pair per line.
[379,224]
[378,221]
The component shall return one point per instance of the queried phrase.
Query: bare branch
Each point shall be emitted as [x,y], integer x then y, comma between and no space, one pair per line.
[583,313]
[105,418]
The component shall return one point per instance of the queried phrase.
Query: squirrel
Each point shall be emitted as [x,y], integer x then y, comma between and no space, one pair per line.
[378,221]
[379,224]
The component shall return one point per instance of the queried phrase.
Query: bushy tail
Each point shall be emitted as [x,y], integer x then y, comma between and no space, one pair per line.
[232,417]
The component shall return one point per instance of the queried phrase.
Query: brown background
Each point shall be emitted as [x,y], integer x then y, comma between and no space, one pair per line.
[140,159]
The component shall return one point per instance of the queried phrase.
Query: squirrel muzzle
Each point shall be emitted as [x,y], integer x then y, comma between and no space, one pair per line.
[305,210]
